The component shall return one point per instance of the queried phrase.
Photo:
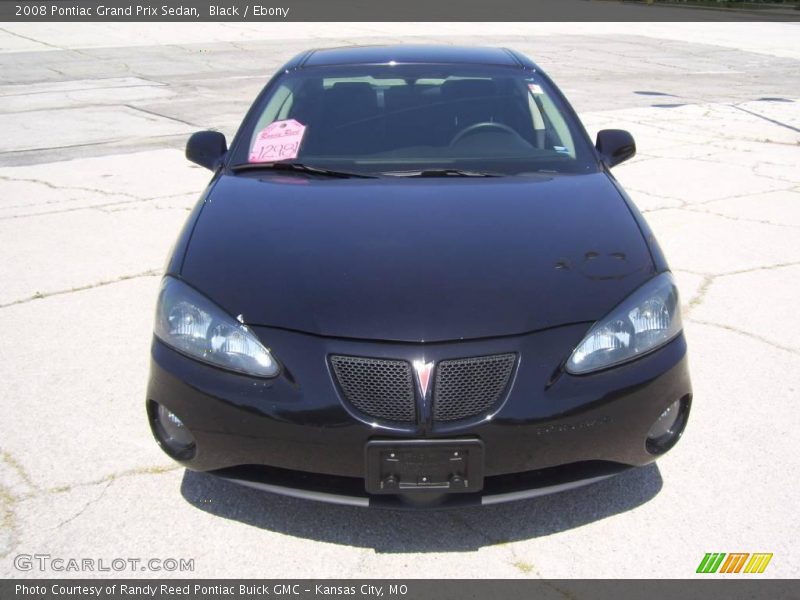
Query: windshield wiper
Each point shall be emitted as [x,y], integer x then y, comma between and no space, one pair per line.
[295,167]
[443,173]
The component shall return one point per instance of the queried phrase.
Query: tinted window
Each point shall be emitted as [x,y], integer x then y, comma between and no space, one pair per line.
[380,119]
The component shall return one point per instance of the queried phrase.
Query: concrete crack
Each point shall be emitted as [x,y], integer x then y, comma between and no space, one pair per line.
[34,40]
[747,334]
[157,470]
[8,521]
[685,204]
[159,115]
[761,268]
[742,219]
[698,298]
[40,295]
[734,196]
[77,51]
[18,468]
[8,501]
[710,278]
[60,188]
[122,204]
[86,506]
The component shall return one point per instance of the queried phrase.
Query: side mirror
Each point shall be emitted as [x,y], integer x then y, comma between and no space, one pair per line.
[615,146]
[206,148]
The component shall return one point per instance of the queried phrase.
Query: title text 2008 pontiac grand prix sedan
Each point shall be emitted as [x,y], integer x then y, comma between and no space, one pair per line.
[413,281]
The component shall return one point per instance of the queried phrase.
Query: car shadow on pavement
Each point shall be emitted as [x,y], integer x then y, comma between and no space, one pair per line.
[391,531]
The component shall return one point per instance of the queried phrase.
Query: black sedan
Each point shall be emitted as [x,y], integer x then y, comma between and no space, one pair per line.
[413,281]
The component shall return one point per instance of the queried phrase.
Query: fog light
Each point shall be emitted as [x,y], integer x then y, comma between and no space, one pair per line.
[667,429]
[171,433]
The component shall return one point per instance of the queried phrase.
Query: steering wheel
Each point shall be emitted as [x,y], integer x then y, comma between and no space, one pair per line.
[485,125]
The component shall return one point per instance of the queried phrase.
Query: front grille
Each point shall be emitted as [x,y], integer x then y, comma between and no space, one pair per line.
[467,387]
[379,388]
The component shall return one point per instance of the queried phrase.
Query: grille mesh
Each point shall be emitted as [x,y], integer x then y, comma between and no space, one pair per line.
[379,388]
[470,386]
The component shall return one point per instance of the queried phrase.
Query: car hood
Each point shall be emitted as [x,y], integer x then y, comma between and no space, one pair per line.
[416,260]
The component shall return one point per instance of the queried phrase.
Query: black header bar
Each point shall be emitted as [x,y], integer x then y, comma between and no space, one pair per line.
[397,10]
[711,588]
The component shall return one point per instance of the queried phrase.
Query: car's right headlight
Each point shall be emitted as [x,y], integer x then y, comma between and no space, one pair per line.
[191,323]
[647,319]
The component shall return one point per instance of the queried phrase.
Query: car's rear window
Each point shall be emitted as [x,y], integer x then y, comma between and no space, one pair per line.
[403,117]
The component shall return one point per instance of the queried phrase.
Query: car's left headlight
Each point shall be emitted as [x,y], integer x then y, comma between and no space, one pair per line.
[191,323]
[647,319]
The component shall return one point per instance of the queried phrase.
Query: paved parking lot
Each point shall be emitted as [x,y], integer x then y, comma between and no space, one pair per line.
[94,187]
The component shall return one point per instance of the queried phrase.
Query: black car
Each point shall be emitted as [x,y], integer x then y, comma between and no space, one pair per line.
[413,281]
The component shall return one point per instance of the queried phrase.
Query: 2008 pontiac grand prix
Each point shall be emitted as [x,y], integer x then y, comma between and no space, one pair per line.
[413,281]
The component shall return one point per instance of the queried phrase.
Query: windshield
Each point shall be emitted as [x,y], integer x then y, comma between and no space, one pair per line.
[400,119]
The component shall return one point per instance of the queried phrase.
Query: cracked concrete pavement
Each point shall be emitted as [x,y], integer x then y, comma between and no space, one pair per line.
[93,190]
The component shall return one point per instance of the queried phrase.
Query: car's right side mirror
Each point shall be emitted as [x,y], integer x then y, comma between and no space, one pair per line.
[615,146]
[206,148]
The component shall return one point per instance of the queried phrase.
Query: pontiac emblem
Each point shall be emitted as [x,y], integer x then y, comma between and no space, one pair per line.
[423,371]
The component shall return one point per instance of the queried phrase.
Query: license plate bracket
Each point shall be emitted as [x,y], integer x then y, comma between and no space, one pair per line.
[412,466]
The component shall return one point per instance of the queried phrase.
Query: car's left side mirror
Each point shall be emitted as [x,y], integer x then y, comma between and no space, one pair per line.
[615,146]
[206,148]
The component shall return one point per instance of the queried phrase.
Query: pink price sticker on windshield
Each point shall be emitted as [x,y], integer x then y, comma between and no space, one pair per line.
[279,140]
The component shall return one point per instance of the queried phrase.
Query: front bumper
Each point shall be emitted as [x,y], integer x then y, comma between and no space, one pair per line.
[295,435]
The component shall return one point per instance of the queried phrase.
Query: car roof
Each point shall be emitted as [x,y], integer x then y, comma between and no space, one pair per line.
[407,54]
